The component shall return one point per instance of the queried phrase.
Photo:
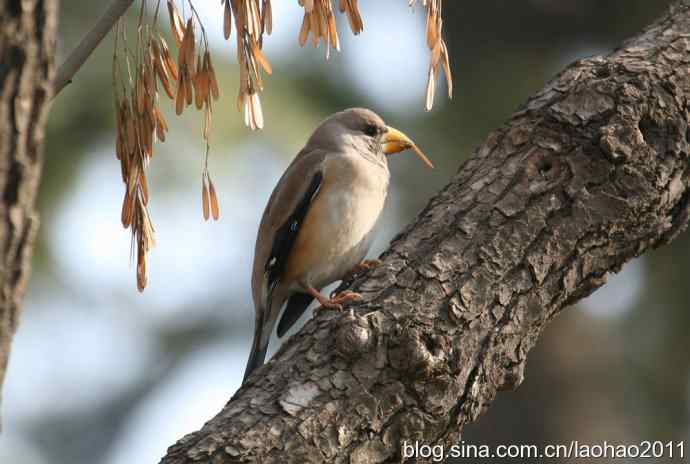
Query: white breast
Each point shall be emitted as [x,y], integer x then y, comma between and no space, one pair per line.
[354,195]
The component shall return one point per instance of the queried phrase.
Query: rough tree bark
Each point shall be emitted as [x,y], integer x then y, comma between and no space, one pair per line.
[590,173]
[27,51]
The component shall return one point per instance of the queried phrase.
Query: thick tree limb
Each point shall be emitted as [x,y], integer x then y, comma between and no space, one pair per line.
[590,173]
[89,43]
[27,50]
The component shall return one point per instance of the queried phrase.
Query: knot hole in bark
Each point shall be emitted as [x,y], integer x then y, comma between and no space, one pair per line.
[665,134]
[544,169]
[653,134]
[420,353]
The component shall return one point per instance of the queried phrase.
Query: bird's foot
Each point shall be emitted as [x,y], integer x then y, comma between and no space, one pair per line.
[336,301]
[346,296]
[328,303]
[370,263]
[361,267]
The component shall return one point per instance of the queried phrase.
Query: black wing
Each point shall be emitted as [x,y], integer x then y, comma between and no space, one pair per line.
[287,234]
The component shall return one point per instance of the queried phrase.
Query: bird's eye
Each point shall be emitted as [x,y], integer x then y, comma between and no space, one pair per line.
[371,130]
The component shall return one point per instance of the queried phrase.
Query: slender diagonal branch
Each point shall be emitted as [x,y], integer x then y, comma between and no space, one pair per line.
[88,44]
[591,172]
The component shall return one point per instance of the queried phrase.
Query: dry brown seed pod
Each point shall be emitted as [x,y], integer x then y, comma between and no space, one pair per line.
[432,31]
[160,133]
[189,88]
[253,18]
[436,54]
[227,20]
[239,102]
[333,31]
[144,187]
[267,17]
[260,57]
[215,211]
[127,209]
[205,82]
[198,100]
[168,59]
[161,70]
[238,13]
[167,85]
[141,268]
[161,125]
[446,68]
[204,198]
[350,8]
[176,23]
[253,114]
[198,95]
[189,45]
[430,89]
[179,99]
[304,30]
[254,71]
[315,25]
[215,91]
[160,120]
[182,55]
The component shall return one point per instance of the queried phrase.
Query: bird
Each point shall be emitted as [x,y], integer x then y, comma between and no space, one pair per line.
[318,224]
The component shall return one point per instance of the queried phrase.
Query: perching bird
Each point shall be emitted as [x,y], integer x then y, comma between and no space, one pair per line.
[318,223]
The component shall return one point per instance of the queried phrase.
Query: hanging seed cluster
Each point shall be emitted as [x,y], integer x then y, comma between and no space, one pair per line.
[253,19]
[138,74]
[319,21]
[195,78]
[439,51]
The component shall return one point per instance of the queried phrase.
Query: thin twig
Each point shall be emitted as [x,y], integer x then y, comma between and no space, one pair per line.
[88,44]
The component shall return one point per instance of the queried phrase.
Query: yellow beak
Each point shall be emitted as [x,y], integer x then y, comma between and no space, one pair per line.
[395,141]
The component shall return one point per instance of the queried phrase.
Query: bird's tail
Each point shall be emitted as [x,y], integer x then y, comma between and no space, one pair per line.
[259,347]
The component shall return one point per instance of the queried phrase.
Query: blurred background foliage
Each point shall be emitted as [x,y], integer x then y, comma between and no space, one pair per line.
[102,374]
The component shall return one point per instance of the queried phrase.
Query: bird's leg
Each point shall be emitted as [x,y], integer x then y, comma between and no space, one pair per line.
[344,297]
[368,264]
[323,301]
[335,302]
[361,267]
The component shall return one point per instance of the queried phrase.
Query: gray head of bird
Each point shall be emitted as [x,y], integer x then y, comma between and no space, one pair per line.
[365,132]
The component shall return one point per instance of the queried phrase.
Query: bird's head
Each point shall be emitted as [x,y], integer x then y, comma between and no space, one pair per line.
[365,131]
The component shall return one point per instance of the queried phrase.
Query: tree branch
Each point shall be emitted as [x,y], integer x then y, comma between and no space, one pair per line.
[88,44]
[592,171]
